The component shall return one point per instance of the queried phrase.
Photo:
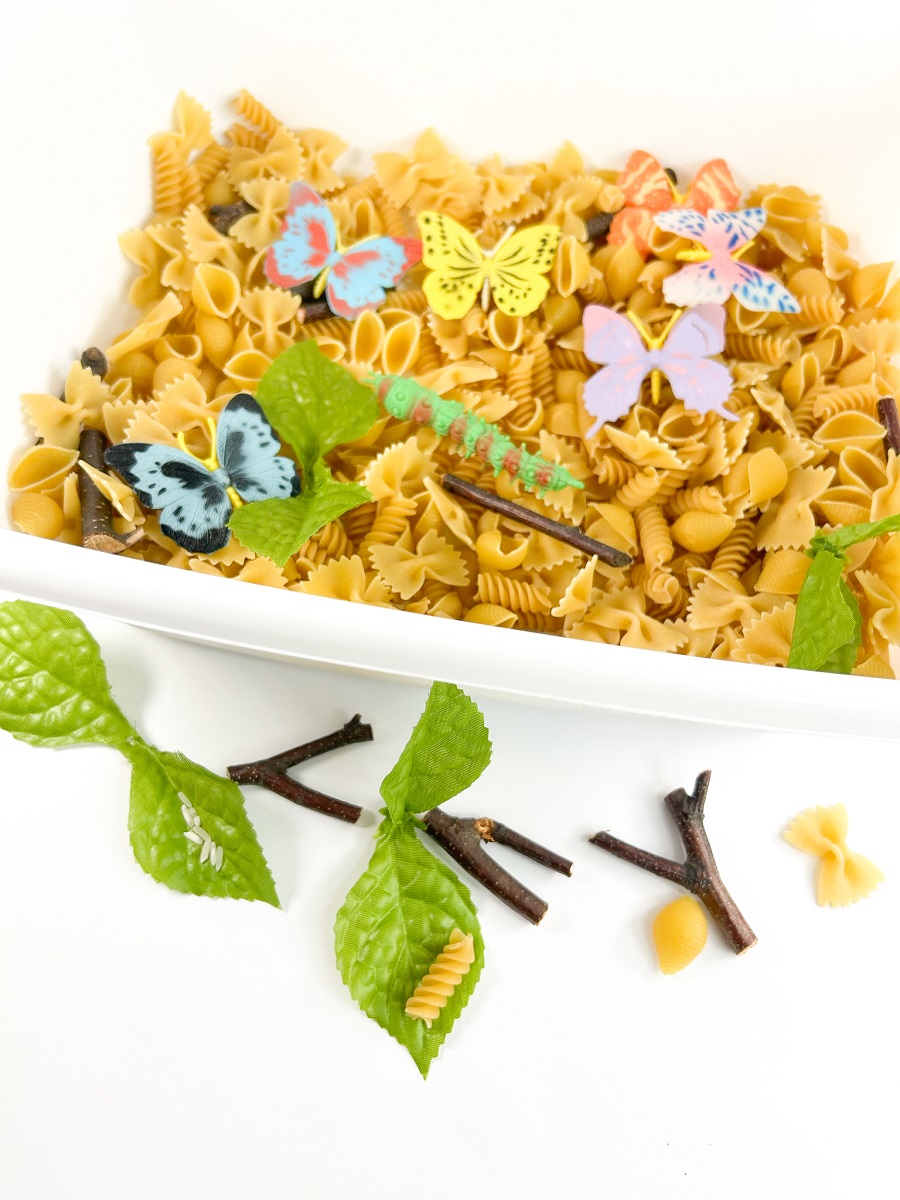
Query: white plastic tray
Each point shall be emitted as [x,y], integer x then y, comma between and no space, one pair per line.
[70,281]
[502,662]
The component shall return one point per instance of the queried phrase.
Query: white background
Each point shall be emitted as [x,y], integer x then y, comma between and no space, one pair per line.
[162,1047]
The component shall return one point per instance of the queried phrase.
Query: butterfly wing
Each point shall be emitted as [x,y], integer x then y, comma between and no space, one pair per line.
[612,391]
[612,339]
[609,337]
[248,450]
[647,190]
[357,281]
[700,283]
[518,270]
[644,183]
[699,333]
[713,187]
[194,506]
[759,291]
[685,222]
[456,263]
[700,385]
[308,238]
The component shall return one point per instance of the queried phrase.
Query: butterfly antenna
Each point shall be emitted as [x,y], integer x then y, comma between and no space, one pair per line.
[660,340]
[640,327]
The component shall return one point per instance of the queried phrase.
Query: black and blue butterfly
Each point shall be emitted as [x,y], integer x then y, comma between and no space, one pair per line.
[197,496]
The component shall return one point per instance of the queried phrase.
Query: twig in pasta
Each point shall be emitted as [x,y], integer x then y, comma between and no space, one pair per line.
[272,773]
[598,225]
[223,216]
[316,310]
[698,873]
[887,415]
[95,361]
[555,529]
[97,532]
[462,838]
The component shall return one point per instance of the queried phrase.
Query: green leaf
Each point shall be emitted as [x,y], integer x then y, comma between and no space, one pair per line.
[162,785]
[396,919]
[278,528]
[848,535]
[825,621]
[448,750]
[314,404]
[843,660]
[53,686]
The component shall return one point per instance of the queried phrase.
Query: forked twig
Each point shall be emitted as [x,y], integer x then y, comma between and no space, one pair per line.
[698,873]
[463,838]
[272,773]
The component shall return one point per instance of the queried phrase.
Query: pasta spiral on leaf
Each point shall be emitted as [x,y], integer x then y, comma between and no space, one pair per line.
[443,978]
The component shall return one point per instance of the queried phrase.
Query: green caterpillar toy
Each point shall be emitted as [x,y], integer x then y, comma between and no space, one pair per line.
[410,401]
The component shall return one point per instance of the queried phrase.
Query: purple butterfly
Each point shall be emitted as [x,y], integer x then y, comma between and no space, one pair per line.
[353,279]
[712,281]
[681,353]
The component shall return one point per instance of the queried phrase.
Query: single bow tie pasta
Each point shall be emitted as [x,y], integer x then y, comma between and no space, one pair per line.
[648,189]
[682,354]
[514,270]
[196,496]
[354,279]
[720,275]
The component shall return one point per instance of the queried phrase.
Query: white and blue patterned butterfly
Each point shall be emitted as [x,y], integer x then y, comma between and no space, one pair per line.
[196,496]
[720,275]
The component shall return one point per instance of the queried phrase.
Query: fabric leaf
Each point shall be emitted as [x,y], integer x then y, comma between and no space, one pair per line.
[396,920]
[842,660]
[448,750]
[277,529]
[849,535]
[165,788]
[53,685]
[314,404]
[825,621]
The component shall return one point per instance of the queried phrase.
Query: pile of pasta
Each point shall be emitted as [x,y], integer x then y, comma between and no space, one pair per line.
[717,514]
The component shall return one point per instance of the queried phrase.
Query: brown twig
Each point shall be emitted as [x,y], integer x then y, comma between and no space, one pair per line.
[272,773]
[223,216]
[698,873]
[887,415]
[555,529]
[598,225]
[316,310]
[95,361]
[462,838]
[97,532]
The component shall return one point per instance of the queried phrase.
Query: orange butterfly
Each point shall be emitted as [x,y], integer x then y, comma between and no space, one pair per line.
[649,190]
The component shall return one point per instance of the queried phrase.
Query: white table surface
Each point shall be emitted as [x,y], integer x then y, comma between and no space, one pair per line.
[161,1047]
[165,1047]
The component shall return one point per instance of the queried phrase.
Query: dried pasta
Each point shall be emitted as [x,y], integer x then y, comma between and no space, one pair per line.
[717,514]
[843,877]
[444,977]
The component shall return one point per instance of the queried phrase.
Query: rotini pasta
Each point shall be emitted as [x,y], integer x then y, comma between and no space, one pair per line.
[444,977]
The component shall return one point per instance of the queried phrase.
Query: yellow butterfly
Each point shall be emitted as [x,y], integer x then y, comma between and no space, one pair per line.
[514,270]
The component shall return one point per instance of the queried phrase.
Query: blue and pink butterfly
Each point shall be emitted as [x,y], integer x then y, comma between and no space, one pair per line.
[717,272]
[353,279]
